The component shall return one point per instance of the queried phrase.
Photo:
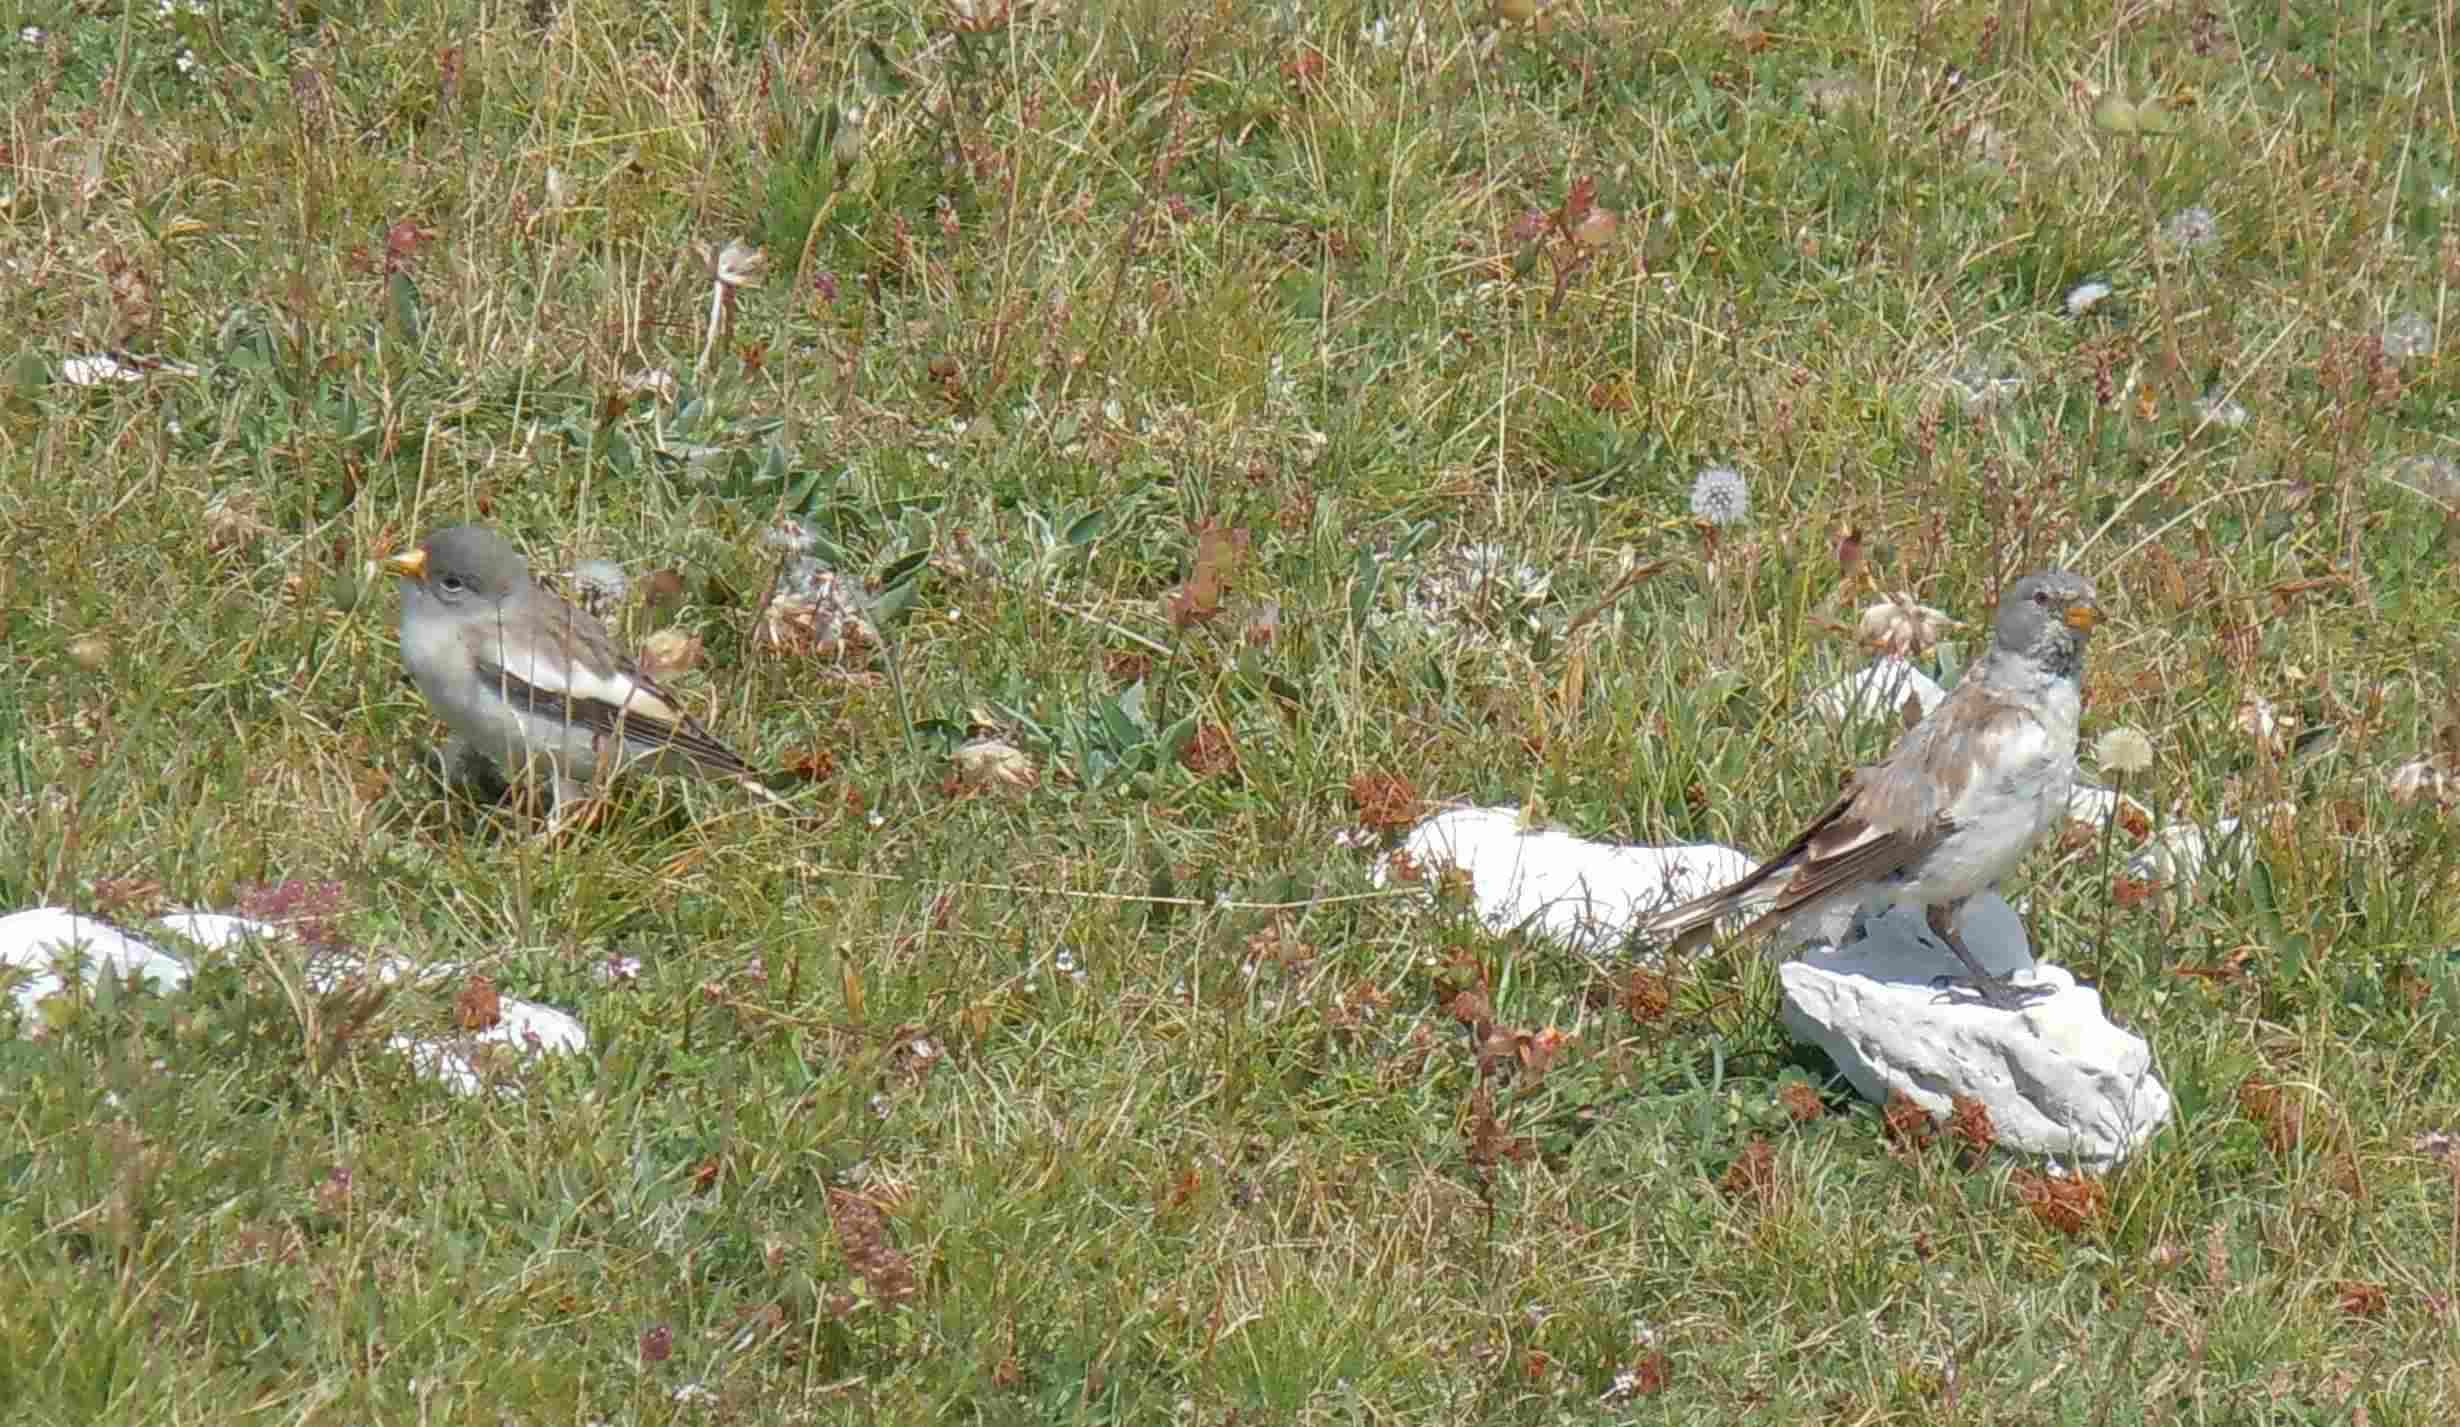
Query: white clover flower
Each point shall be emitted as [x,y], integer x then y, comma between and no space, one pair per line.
[2085,296]
[2408,336]
[1720,496]
[31,35]
[2194,229]
[2123,750]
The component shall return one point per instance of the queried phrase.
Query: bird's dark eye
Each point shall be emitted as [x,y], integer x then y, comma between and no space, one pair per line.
[452,584]
[2041,597]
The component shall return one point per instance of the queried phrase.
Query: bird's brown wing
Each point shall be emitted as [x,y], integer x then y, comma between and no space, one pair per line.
[1898,811]
[1888,816]
[602,691]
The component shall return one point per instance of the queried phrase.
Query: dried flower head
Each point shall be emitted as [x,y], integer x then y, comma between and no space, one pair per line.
[1720,496]
[2123,750]
[2085,296]
[1899,626]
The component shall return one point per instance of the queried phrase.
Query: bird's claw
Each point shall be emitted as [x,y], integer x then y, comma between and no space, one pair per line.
[1997,992]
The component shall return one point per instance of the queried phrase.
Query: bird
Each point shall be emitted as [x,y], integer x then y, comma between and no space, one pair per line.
[526,680]
[1954,807]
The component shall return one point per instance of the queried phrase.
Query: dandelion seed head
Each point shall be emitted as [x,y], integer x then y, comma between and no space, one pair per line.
[1720,496]
[2123,750]
[2194,229]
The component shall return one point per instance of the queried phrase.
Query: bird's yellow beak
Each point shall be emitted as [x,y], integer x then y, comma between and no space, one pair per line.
[410,564]
[2082,616]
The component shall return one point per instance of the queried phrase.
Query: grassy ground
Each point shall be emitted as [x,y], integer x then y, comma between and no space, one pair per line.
[1192,384]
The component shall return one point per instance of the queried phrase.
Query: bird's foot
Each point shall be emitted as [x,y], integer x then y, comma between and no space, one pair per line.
[1997,992]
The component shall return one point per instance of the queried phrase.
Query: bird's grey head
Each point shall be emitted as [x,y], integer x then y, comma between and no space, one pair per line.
[464,563]
[2048,616]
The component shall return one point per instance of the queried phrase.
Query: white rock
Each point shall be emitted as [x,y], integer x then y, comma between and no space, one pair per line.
[1587,895]
[2093,806]
[2180,854]
[1877,690]
[40,940]
[37,940]
[2057,1077]
[528,1027]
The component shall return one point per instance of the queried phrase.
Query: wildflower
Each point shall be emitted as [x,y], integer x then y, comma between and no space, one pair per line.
[1720,496]
[2085,296]
[2123,750]
[2194,229]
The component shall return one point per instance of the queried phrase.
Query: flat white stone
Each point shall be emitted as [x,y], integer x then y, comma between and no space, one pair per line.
[39,940]
[2093,806]
[1587,895]
[2058,1078]
[1878,690]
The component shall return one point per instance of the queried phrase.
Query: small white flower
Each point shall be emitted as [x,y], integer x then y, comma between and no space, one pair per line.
[1064,962]
[2194,229]
[2408,336]
[1720,496]
[619,970]
[2123,750]
[31,35]
[2085,296]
